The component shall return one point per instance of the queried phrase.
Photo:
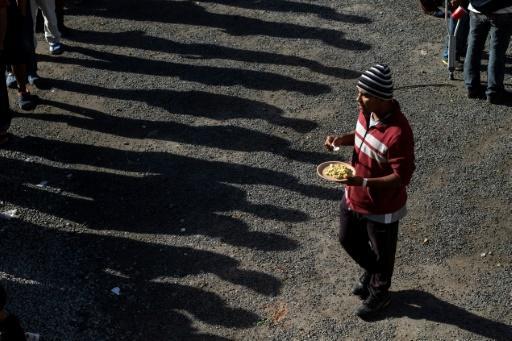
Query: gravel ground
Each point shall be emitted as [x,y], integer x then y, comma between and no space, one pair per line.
[179,141]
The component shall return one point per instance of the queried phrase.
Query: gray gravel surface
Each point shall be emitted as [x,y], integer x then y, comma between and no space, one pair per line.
[179,141]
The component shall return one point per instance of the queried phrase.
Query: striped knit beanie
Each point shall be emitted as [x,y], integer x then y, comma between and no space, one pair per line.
[377,82]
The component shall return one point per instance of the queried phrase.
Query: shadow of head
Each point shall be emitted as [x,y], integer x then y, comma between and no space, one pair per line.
[421,305]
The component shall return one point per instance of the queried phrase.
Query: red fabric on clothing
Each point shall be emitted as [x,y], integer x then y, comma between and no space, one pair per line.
[382,150]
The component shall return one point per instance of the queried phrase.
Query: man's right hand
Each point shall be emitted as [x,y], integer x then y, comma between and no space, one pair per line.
[328,144]
[332,141]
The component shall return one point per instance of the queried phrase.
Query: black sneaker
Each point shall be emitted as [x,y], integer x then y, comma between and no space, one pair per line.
[10,80]
[499,97]
[361,287]
[373,304]
[474,93]
[56,48]
[26,101]
[34,79]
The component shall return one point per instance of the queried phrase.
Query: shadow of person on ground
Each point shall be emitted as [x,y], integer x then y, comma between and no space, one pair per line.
[226,137]
[187,199]
[191,103]
[421,305]
[74,273]
[190,13]
[169,194]
[209,75]
[296,7]
[139,40]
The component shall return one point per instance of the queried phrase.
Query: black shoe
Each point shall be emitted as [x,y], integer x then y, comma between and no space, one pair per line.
[26,101]
[499,97]
[373,304]
[361,287]
[34,79]
[474,93]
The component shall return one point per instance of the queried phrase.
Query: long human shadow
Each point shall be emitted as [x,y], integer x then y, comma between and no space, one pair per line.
[177,196]
[147,205]
[421,305]
[138,39]
[152,302]
[295,7]
[210,75]
[190,13]
[191,103]
[227,137]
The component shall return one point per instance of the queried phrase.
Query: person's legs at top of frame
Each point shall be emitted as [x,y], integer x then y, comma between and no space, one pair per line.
[29,45]
[18,51]
[479,27]
[51,30]
[461,39]
[500,32]
[5,111]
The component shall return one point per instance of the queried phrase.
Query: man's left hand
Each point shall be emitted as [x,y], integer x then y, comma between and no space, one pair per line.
[354,181]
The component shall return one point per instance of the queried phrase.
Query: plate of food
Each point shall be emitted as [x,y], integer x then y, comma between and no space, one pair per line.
[335,171]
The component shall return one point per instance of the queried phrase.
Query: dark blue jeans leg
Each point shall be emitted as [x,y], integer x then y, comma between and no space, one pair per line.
[479,27]
[462,36]
[501,29]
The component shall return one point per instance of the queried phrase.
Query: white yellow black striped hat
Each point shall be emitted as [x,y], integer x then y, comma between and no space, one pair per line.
[377,82]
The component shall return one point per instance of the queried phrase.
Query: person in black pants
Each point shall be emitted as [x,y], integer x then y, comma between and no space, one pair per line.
[375,196]
[5,112]
[19,52]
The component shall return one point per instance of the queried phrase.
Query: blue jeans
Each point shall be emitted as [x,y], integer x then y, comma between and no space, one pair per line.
[500,27]
[462,36]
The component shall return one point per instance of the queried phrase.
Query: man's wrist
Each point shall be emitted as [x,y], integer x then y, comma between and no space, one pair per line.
[365,182]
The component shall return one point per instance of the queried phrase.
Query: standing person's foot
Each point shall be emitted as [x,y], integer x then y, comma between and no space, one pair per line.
[10,80]
[499,97]
[373,304]
[26,101]
[361,287]
[56,48]
[34,79]
[474,93]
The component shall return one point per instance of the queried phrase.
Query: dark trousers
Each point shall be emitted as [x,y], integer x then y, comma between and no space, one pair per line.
[372,245]
[5,112]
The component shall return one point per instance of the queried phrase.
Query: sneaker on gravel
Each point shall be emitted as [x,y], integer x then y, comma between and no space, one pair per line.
[56,48]
[373,304]
[474,92]
[26,101]
[499,97]
[33,79]
[361,287]
[10,80]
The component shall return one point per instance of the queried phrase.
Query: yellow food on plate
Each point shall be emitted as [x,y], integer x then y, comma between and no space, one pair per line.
[338,171]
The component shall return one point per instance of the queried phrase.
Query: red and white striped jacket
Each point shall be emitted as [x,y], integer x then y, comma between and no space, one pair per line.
[383,149]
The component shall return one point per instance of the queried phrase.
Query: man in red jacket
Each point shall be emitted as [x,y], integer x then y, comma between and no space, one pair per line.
[375,198]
